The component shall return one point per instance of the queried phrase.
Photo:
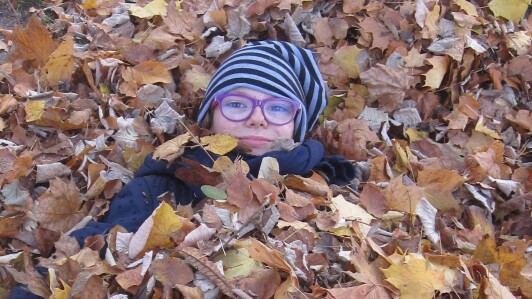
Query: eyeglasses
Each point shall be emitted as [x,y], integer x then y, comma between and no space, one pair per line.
[238,107]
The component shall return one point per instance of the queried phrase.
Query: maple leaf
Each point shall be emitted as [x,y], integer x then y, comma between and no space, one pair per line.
[184,23]
[34,43]
[487,163]
[401,197]
[387,86]
[59,209]
[165,223]
[418,278]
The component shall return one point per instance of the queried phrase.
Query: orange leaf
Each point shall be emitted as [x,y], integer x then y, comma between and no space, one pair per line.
[147,72]
[34,43]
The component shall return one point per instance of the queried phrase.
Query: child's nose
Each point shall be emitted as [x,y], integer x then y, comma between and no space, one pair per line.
[257,118]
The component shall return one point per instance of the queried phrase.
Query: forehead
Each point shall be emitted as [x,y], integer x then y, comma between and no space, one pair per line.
[250,92]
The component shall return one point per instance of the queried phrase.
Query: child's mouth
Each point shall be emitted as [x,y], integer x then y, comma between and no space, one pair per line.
[254,141]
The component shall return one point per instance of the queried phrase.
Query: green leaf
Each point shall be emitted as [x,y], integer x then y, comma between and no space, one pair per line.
[213,192]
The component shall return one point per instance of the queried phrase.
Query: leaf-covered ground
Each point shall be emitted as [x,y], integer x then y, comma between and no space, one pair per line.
[430,99]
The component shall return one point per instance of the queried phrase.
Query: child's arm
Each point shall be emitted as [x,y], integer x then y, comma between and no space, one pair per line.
[134,204]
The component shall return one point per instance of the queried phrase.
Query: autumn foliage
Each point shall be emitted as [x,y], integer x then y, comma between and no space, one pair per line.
[430,99]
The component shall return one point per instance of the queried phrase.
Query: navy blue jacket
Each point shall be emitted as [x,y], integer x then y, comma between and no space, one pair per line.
[137,200]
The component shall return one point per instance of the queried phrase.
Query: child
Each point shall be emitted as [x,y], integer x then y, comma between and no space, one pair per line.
[264,91]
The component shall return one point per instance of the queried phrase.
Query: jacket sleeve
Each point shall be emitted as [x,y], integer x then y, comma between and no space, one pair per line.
[337,170]
[134,204]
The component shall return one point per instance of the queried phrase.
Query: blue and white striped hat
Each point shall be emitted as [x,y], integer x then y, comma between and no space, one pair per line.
[277,68]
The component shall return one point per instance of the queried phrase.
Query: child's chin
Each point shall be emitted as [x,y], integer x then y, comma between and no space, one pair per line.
[254,151]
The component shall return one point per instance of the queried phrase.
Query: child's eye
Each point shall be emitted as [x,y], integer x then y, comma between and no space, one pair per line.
[235,105]
[278,108]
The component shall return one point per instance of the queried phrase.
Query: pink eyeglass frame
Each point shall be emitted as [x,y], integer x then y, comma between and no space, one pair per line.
[219,98]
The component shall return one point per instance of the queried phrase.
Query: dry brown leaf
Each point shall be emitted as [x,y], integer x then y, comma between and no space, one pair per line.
[487,163]
[172,148]
[387,86]
[239,191]
[59,208]
[522,118]
[401,197]
[373,200]
[171,271]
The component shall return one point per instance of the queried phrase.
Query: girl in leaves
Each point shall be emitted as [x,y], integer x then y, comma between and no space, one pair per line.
[265,92]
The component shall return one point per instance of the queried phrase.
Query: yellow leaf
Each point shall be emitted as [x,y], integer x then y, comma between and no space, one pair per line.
[404,156]
[342,231]
[165,223]
[62,294]
[480,127]
[415,135]
[178,4]
[350,211]
[417,278]
[509,9]
[219,144]
[467,6]
[434,76]
[172,148]
[60,66]
[197,77]
[34,110]
[152,9]
[346,57]
[147,72]
[91,4]
[238,263]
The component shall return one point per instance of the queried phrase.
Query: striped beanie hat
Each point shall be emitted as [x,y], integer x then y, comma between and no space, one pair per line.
[276,68]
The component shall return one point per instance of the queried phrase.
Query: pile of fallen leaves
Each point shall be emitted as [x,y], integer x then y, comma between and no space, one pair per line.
[430,99]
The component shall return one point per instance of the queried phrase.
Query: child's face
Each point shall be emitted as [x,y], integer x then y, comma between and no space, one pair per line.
[254,133]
